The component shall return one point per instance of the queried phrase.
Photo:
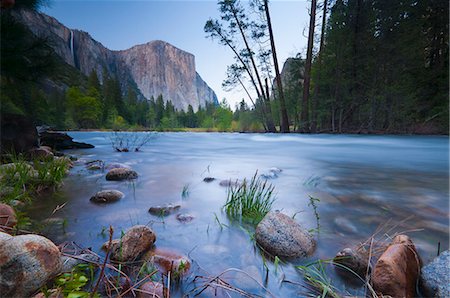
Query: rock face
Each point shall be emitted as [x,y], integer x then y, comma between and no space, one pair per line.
[396,271]
[136,241]
[118,174]
[107,196]
[27,263]
[18,134]
[435,277]
[7,217]
[282,236]
[152,69]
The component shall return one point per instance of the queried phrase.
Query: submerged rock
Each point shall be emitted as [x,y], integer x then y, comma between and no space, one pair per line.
[107,196]
[28,262]
[184,218]
[230,183]
[164,210]
[345,225]
[356,259]
[282,236]
[118,174]
[435,279]
[168,260]
[68,263]
[7,217]
[136,241]
[151,289]
[396,271]
[208,179]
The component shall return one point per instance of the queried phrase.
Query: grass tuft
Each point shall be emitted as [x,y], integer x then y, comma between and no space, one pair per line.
[250,201]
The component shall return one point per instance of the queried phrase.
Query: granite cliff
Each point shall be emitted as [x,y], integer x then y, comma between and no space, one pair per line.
[153,68]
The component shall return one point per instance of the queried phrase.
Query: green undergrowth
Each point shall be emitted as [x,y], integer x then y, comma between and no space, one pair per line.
[250,201]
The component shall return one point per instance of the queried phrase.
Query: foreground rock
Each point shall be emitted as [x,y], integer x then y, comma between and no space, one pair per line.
[18,134]
[42,152]
[118,174]
[27,263]
[164,210]
[136,241]
[435,278]
[107,196]
[151,289]
[281,236]
[167,260]
[396,271]
[356,259]
[7,217]
[60,140]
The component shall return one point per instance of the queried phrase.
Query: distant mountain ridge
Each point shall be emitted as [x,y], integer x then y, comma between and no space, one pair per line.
[154,68]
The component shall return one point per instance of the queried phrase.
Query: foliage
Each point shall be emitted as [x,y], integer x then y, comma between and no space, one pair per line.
[250,201]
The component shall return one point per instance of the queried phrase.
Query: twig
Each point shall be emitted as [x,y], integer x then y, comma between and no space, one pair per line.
[102,272]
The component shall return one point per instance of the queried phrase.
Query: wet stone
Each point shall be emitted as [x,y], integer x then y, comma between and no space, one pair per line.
[164,210]
[107,196]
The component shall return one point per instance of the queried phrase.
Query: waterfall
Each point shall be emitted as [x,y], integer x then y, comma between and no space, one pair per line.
[71,45]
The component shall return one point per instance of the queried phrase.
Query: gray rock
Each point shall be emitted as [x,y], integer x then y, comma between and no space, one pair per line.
[118,174]
[282,236]
[68,263]
[435,277]
[229,183]
[356,259]
[28,262]
[184,218]
[208,179]
[163,210]
[107,196]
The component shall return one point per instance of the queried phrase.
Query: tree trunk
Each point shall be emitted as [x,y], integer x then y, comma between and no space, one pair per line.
[266,104]
[284,116]
[307,76]
[319,63]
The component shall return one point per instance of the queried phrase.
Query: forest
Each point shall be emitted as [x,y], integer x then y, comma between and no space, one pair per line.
[370,67]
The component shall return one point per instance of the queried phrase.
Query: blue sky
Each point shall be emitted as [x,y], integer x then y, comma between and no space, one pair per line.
[121,24]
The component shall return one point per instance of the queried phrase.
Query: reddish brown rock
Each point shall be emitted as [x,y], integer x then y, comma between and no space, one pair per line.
[27,262]
[356,259]
[7,217]
[118,174]
[397,270]
[151,289]
[136,241]
[168,260]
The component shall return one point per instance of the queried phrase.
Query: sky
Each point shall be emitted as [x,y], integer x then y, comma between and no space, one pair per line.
[121,24]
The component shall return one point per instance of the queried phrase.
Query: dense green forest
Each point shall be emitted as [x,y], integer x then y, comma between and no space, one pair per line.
[380,67]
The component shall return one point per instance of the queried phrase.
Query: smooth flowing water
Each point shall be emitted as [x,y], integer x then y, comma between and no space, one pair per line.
[363,182]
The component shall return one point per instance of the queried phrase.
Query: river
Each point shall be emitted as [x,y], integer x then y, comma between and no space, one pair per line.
[363,182]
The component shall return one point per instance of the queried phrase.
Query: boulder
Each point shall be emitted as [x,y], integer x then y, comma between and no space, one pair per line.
[68,263]
[356,259]
[22,168]
[40,153]
[151,289]
[396,271]
[27,263]
[164,210]
[167,260]
[60,140]
[107,196]
[7,217]
[118,174]
[280,235]
[136,241]
[435,277]
[18,134]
